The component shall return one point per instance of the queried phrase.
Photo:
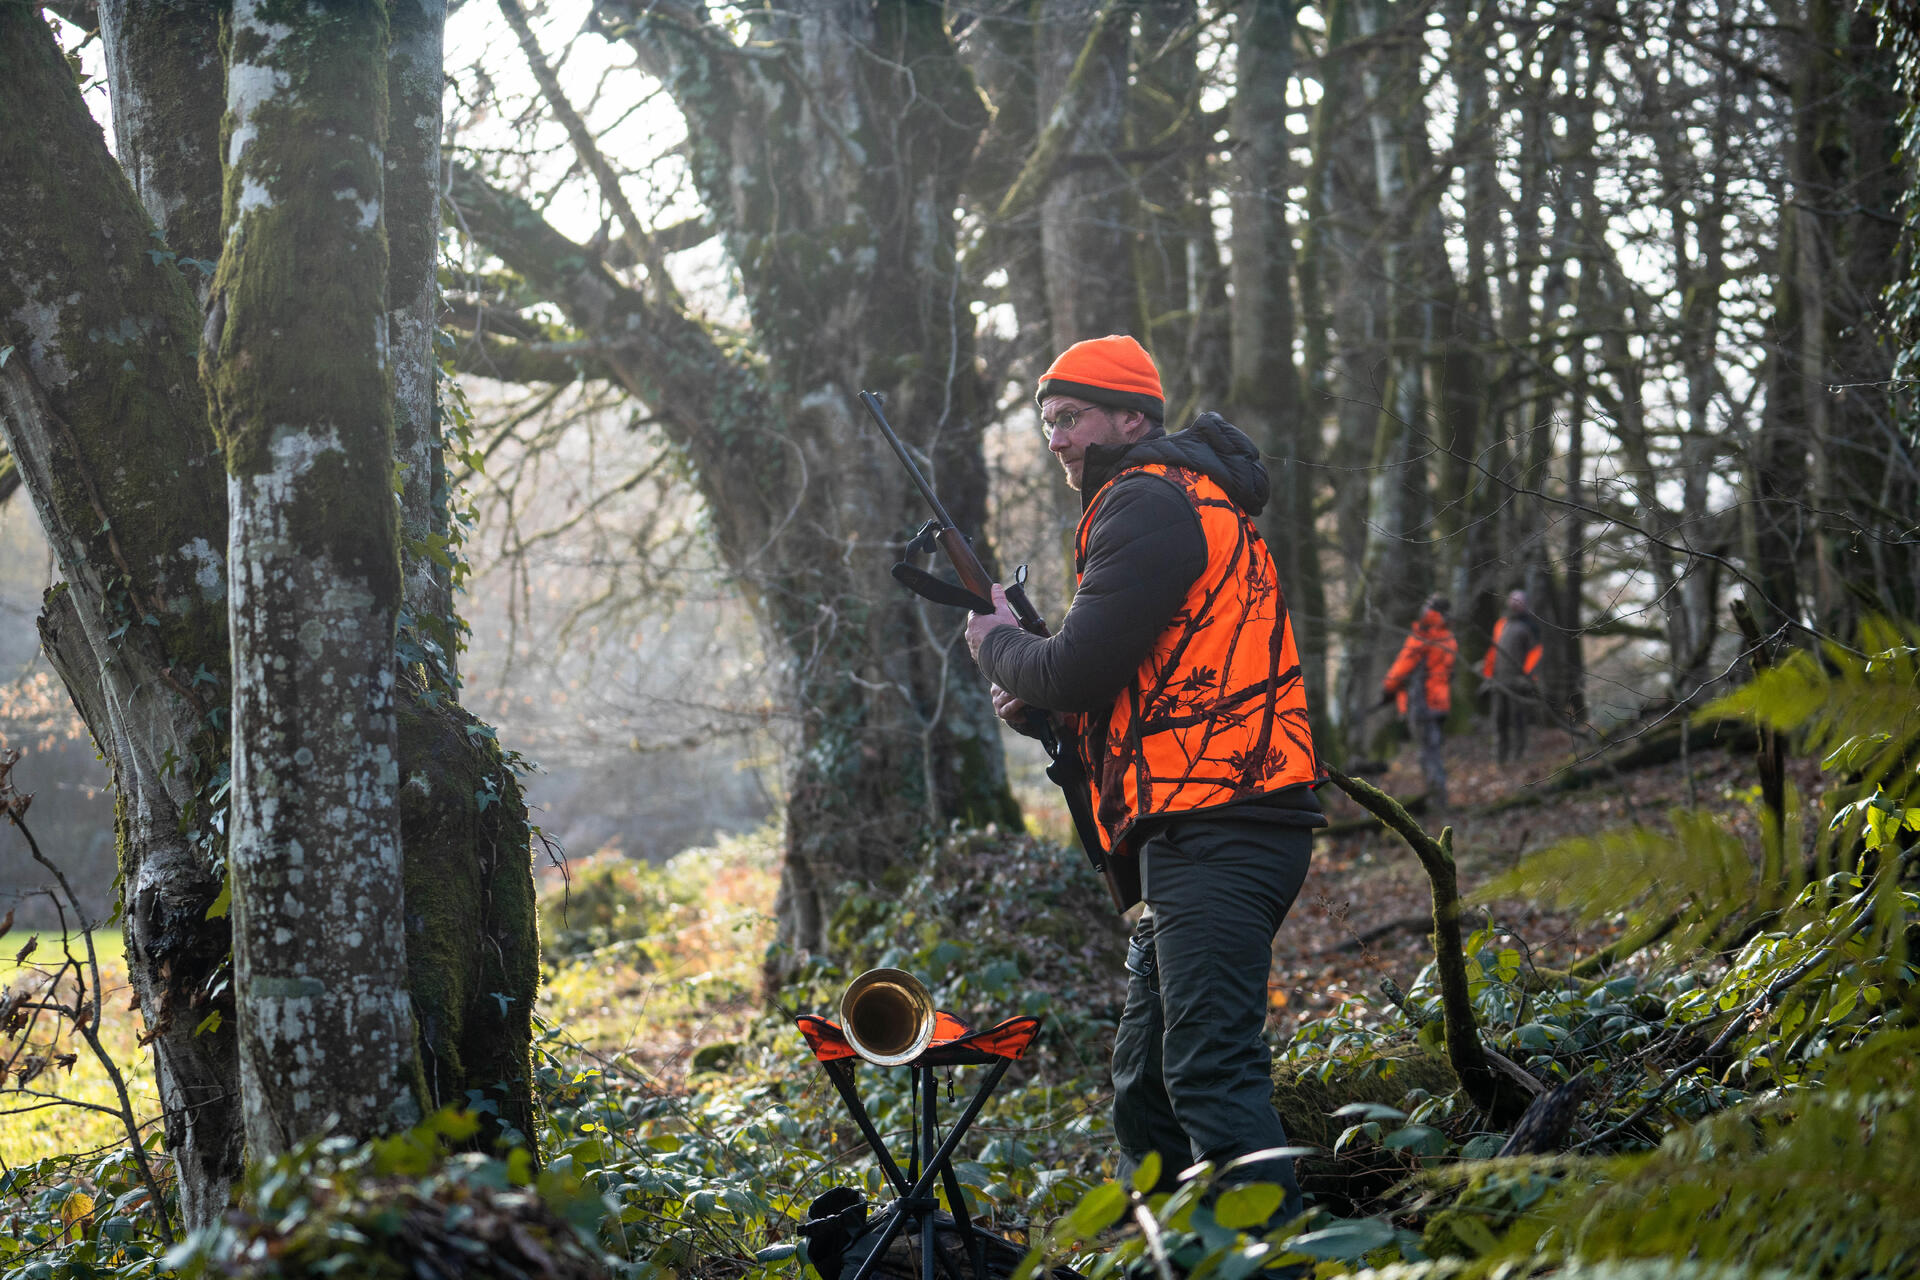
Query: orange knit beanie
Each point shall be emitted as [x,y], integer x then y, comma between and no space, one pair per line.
[1114,371]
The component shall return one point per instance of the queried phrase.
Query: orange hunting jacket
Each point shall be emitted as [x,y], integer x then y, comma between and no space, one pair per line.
[1217,712]
[1430,646]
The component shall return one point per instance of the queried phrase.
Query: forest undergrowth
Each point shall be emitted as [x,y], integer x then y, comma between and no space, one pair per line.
[1720,1038]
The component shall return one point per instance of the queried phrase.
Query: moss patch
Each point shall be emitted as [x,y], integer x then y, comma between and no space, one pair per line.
[472,946]
[1306,1094]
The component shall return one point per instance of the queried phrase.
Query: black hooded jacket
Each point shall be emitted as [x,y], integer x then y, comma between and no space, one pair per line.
[1144,551]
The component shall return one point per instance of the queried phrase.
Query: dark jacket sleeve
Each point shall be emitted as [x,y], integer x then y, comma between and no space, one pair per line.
[1144,551]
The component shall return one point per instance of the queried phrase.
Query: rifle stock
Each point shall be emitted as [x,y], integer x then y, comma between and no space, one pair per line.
[1057,735]
[973,575]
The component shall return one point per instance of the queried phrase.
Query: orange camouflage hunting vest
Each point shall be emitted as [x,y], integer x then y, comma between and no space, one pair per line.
[1218,711]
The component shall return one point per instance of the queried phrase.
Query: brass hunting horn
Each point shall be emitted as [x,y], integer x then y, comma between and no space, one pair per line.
[887,1015]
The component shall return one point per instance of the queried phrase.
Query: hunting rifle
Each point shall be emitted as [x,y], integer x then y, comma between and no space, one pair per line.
[975,592]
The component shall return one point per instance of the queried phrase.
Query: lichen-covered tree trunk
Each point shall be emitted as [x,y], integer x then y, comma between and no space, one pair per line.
[829,150]
[295,362]
[102,407]
[164,68]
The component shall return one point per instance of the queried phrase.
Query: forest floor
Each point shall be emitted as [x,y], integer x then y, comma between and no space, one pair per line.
[1365,911]
[1363,915]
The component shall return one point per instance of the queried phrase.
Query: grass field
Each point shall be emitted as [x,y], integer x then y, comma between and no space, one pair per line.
[38,1121]
[108,944]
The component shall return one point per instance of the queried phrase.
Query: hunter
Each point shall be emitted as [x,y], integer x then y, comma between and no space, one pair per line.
[1421,680]
[1507,671]
[1176,667]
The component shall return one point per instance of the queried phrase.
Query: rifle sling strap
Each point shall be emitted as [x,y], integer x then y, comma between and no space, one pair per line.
[938,590]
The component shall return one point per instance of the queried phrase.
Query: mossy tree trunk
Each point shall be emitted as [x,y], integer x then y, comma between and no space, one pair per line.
[1266,397]
[295,365]
[102,406]
[164,67]
[829,150]
[103,338]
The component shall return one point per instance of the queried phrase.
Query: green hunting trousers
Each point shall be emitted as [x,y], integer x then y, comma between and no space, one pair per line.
[1192,1073]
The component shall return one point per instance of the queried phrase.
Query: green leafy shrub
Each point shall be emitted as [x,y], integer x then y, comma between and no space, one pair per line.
[401,1207]
[77,1217]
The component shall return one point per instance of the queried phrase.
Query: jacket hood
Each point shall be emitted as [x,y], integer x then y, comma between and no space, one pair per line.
[1210,445]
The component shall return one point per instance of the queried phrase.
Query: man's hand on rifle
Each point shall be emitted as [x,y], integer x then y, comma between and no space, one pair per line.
[1009,708]
[981,623]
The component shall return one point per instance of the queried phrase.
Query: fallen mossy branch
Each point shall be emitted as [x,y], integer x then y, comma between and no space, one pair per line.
[1498,1095]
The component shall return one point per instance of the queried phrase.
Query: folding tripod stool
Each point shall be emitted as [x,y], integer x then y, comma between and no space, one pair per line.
[953,1045]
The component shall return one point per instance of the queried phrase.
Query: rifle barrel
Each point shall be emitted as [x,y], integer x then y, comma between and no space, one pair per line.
[872,402]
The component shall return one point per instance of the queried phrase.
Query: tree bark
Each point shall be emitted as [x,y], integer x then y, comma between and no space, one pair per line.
[1085,230]
[166,77]
[298,383]
[1396,567]
[1080,193]
[1182,282]
[415,84]
[142,549]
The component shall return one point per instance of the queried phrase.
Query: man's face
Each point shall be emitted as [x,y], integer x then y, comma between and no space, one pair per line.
[1516,604]
[1072,425]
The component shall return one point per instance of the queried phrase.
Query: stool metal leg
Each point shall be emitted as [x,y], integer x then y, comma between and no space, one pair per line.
[930,1096]
[841,1073]
[918,1196]
[976,1247]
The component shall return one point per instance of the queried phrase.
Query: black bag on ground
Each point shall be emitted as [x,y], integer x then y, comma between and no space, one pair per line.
[841,1234]
[833,1220]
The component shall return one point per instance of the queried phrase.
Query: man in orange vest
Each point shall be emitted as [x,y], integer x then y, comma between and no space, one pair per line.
[1177,669]
[1508,671]
[1421,678]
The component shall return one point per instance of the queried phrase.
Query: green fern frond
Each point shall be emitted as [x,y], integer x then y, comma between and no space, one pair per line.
[1659,1269]
[1701,867]
[1817,1181]
[1862,715]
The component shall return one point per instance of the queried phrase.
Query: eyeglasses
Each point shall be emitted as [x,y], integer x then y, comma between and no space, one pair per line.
[1068,418]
